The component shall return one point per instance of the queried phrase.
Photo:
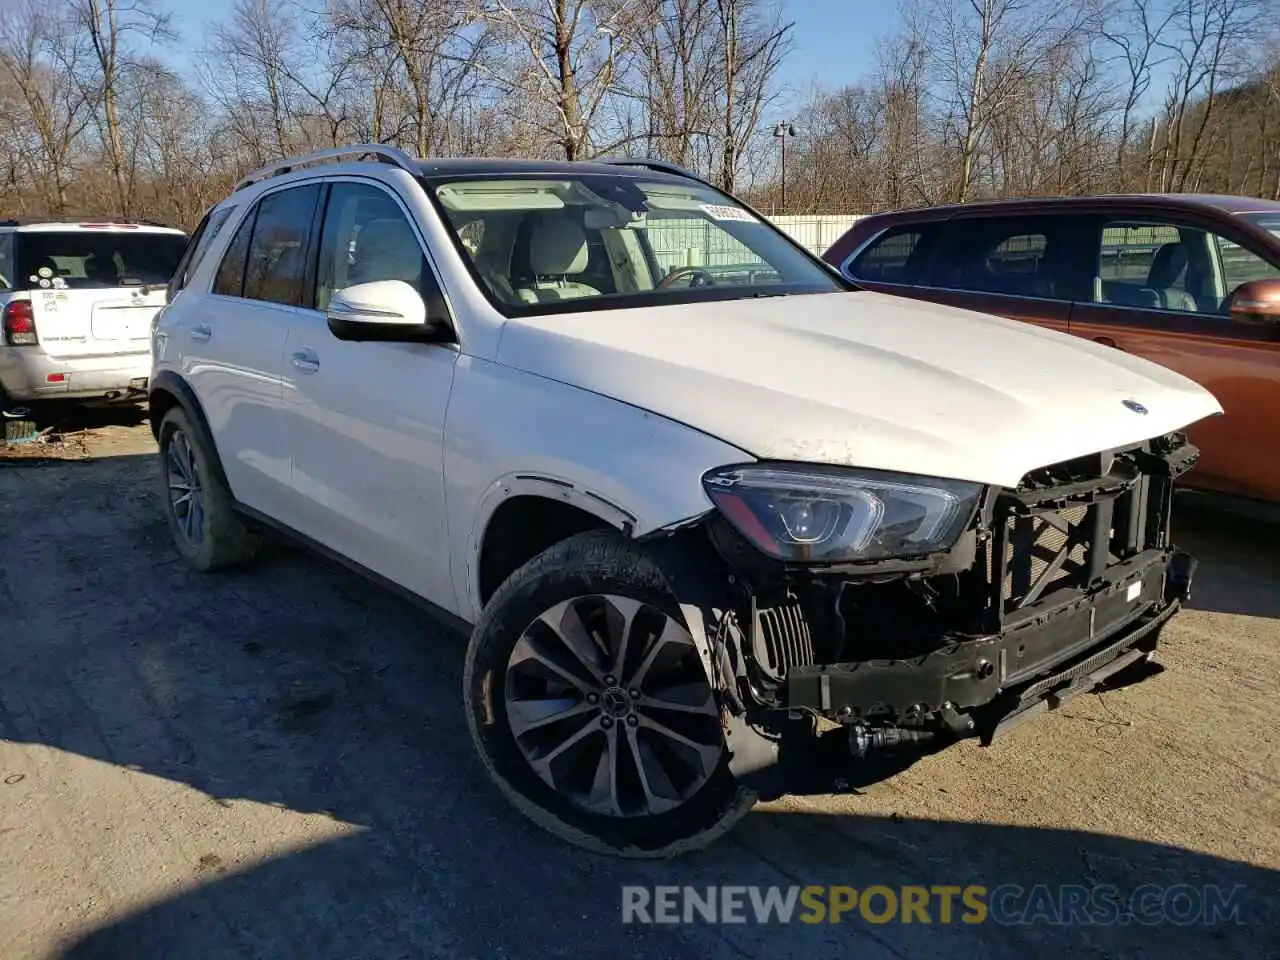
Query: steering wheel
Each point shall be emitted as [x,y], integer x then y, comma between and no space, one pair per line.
[697,277]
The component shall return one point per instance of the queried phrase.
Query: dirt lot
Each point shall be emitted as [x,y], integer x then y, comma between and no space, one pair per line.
[274,763]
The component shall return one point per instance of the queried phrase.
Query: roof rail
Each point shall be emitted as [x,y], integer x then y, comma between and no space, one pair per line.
[662,166]
[381,152]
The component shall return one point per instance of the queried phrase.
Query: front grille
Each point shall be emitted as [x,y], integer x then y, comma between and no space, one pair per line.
[1065,525]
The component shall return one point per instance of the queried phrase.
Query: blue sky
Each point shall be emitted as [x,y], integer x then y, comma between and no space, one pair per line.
[834,40]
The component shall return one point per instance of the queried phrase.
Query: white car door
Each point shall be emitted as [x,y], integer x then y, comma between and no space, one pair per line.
[231,343]
[365,421]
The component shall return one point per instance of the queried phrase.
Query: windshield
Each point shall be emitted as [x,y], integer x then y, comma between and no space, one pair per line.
[87,259]
[556,243]
[1267,221]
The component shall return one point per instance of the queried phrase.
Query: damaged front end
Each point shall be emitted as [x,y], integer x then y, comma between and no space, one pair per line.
[1049,590]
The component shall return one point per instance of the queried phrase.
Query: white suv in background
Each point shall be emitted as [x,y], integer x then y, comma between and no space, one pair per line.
[76,304]
[692,495]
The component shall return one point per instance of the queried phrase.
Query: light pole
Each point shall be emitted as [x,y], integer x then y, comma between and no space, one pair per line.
[783,130]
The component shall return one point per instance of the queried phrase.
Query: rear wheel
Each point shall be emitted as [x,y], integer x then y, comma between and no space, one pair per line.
[589,705]
[17,419]
[205,527]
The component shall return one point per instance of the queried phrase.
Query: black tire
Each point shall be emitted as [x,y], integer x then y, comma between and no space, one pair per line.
[587,565]
[217,537]
[17,420]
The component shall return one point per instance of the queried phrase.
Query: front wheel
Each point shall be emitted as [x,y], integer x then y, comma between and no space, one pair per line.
[587,700]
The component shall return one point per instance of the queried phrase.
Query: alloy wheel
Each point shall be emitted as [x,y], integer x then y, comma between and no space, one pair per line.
[608,701]
[186,496]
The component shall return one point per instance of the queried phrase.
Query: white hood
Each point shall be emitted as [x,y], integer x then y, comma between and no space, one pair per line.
[865,379]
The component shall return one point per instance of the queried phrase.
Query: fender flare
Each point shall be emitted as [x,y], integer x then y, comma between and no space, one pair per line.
[173,384]
[529,484]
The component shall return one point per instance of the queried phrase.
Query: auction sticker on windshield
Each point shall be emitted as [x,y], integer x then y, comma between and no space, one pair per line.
[722,211]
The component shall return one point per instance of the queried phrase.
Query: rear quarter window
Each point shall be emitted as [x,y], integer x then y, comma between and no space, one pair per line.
[198,246]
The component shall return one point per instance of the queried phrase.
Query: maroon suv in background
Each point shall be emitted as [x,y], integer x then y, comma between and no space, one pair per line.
[1191,282]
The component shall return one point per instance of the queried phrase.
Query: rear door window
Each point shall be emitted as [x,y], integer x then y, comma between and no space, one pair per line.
[1031,256]
[96,259]
[277,264]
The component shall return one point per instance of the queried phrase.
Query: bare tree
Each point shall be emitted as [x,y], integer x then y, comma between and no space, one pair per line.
[971,98]
[39,56]
[565,56]
[112,27]
[677,52]
[1213,33]
[1135,30]
[902,92]
[424,57]
[753,40]
[252,59]
[987,51]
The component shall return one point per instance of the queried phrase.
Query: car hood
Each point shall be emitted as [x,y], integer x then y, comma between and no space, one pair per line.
[865,379]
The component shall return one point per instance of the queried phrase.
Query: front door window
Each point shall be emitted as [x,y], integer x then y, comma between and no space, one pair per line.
[1175,267]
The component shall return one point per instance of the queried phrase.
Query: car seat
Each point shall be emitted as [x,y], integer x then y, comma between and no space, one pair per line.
[557,251]
[100,270]
[1169,263]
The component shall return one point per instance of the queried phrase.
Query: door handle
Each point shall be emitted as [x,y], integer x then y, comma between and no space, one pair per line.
[306,360]
[201,333]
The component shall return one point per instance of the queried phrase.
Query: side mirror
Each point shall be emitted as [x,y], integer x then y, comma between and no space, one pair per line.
[1256,302]
[387,310]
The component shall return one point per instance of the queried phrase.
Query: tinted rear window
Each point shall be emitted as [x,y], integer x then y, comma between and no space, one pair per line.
[86,259]
[899,255]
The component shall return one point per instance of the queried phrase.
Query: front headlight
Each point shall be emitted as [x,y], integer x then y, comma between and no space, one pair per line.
[820,514]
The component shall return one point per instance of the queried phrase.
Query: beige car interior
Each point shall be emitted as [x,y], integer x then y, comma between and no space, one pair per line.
[374,241]
[546,257]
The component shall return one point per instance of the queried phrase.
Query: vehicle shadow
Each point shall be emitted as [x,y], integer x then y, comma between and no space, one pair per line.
[1239,561]
[299,685]
[65,416]
[381,895]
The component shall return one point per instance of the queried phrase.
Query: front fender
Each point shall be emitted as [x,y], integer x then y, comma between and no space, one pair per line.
[509,432]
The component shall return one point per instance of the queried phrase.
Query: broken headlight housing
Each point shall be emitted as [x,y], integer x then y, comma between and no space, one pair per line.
[821,514]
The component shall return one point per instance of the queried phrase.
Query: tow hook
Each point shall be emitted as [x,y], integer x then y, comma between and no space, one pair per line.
[864,739]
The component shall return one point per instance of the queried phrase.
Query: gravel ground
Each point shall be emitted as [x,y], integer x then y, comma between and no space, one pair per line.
[274,763]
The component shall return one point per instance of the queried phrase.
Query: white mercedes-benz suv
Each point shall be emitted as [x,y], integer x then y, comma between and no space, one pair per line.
[701,505]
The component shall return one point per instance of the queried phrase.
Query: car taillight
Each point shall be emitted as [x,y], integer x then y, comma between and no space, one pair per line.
[19,323]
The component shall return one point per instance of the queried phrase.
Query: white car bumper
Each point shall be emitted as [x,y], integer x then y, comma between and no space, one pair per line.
[28,373]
